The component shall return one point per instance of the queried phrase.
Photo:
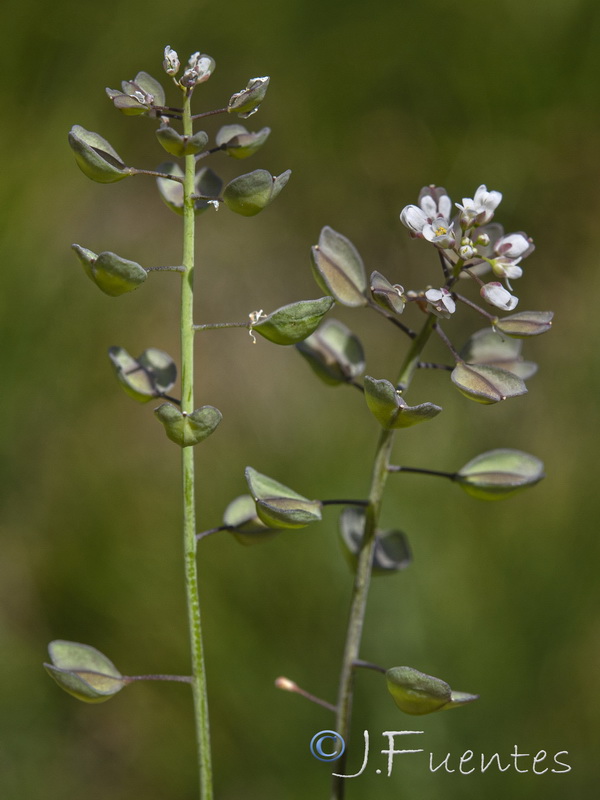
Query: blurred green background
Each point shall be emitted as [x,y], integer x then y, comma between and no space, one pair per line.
[368,102]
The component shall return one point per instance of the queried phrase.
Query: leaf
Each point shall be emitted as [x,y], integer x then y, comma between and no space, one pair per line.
[525,323]
[246,102]
[338,268]
[279,506]
[144,378]
[83,671]
[207,184]
[391,552]
[417,693]
[111,273]
[152,87]
[237,142]
[187,430]
[389,297]
[248,529]
[486,384]
[95,157]
[334,353]
[487,346]
[177,145]
[248,194]
[391,410]
[499,473]
[295,322]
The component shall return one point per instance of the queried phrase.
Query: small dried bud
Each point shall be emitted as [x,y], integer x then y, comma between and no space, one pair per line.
[200,68]
[171,62]
[286,684]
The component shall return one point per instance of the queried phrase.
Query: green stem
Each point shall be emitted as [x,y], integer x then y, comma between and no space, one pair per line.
[360,592]
[189,509]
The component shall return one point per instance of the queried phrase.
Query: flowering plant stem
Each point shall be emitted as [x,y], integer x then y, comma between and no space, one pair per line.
[189,504]
[362,579]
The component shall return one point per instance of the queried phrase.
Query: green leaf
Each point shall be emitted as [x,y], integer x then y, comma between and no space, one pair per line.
[293,323]
[247,528]
[130,106]
[83,671]
[389,297]
[416,693]
[525,323]
[111,273]
[171,191]
[499,473]
[187,430]
[246,102]
[177,145]
[209,186]
[95,157]
[489,347]
[277,505]
[248,194]
[486,384]
[391,410]
[338,268]
[237,142]
[152,87]
[207,183]
[391,553]
[149,376]
[334,353]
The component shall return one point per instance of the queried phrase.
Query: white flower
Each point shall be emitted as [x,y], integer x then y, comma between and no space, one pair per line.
[511,250]
[496,295]
[431,218]
[514,245]
[506,269]
[440,302]
[479,209]
[466,249]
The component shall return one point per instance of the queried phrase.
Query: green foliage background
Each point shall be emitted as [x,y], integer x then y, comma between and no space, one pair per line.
[368,102]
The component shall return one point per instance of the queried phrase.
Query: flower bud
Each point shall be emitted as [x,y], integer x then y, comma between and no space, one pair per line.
[496,295]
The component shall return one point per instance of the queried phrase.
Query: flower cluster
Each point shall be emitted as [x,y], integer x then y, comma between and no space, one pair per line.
[469,240]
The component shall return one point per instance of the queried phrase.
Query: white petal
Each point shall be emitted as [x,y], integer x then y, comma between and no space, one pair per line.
[445,206]
[448,301]
[506,269]
[429,206]
[433,295]
[513,245]
[496,295]
[413,218]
